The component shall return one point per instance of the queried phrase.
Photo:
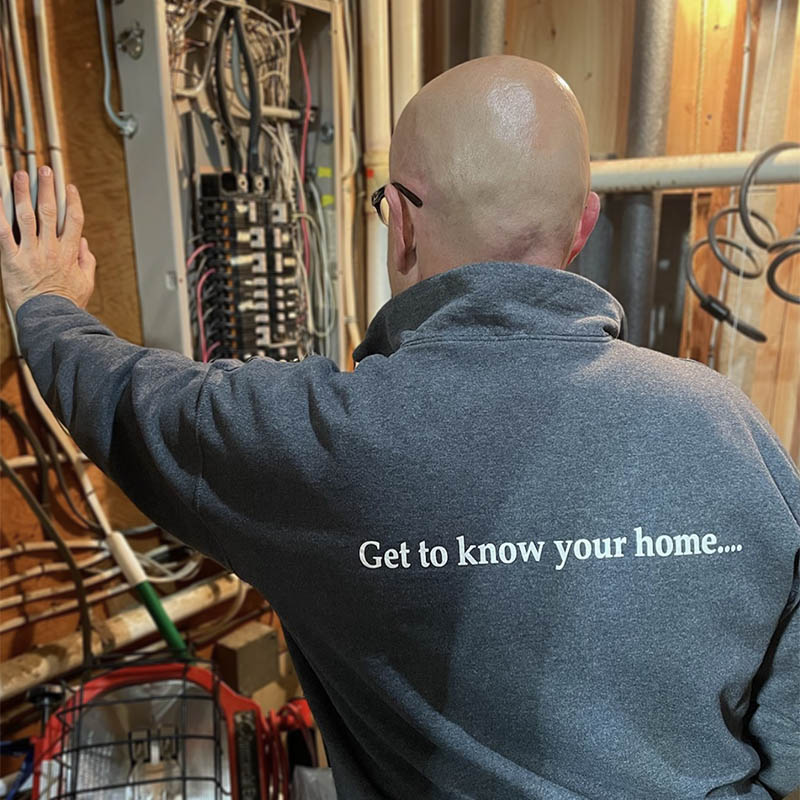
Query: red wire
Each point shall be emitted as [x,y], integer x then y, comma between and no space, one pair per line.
[197,252]
[200,321]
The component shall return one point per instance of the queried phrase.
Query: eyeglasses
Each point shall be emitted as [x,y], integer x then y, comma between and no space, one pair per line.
[381,204]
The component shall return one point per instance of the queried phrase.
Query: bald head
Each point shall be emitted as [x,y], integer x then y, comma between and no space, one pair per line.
[497,149]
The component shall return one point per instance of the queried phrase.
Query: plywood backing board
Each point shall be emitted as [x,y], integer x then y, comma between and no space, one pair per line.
[776,372]
[94,161]
[766,124]
[93,158]
[703,112]
[589,43]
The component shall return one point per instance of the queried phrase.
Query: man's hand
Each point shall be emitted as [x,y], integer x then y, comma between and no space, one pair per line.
[47,263]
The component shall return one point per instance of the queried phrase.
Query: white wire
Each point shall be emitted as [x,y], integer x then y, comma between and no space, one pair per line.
[45,569]
[770,67]
[716,325]
[737,305]
[25,99]
[49,103]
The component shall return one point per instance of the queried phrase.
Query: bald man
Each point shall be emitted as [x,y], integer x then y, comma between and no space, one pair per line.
[514,556]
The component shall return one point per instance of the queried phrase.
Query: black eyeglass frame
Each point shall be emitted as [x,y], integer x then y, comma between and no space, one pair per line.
[378,195]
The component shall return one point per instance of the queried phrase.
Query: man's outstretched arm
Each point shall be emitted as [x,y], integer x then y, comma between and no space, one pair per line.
[167,429]
[131,409]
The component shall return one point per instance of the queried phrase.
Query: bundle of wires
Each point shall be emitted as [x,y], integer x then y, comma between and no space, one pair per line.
[43,508]
[778,250]
[252,64]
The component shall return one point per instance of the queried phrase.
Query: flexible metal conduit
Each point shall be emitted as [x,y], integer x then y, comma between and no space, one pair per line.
[647,133]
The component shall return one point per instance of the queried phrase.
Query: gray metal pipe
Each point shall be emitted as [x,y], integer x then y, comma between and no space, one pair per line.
[691,172]
[487,28]
[647,132]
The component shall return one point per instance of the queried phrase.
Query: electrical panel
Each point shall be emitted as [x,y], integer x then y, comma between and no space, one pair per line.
[247,295]
[234,209]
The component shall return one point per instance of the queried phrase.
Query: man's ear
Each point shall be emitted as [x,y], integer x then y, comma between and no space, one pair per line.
[591,211]
[402,240]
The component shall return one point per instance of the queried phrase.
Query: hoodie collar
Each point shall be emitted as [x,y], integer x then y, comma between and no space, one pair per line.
[494,300]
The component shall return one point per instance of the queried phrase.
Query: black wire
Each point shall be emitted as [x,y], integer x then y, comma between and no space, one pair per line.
[713,305]
[790,252]
[64,551]
[744,189]
[253,154]
[41,459]
[62,483]
[714,244]
[222,98]
[689,262]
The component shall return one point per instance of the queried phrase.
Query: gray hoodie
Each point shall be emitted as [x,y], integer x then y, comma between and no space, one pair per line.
[514,556]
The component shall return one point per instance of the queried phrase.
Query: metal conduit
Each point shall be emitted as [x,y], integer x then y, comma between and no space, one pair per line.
[647,132]
[487,28]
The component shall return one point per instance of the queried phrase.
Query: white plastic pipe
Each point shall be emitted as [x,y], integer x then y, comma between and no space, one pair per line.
[49,103]
[378,288]
[690,172]
[51,660]
[377,136]
[406,53]
[346,156]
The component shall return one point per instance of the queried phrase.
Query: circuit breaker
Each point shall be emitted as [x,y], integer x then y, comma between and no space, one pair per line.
[234,261]
[247,294]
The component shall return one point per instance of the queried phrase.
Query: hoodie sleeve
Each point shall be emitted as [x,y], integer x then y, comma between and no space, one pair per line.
[774,721]
[774,726]
[134,411]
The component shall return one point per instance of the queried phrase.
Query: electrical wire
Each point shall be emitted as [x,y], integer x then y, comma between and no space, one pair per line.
[772,281]
[231,136]
[744,87]
[713,243]
[26,548]
[41,459]
[766,94]
[46,569]
[62,484]
[713,305]
[253,155]
[25,98]
[304,137]
[201,325]
[66,555]
[198,88]
[49,104]
[238,86]
[745,213]
[5,183]
[124,122]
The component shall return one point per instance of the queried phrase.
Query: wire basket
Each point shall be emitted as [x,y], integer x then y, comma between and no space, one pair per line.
[153,731]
